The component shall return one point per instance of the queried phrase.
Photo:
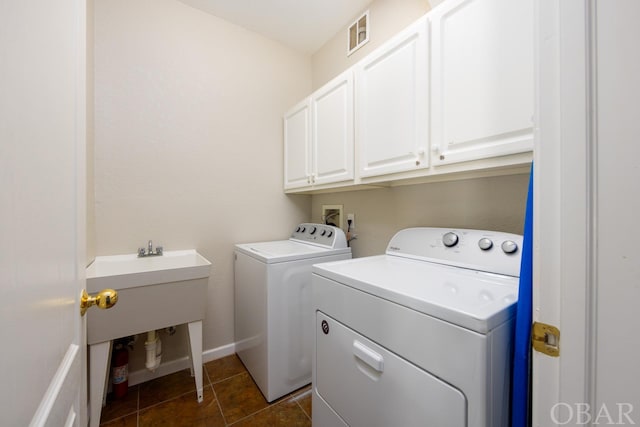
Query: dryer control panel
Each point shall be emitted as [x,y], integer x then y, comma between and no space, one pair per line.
[320,234]
[484,250]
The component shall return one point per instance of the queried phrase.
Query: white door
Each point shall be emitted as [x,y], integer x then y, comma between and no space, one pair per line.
[586,206]
[42,212]
[392,104]
[482,79]
[297,145]
[333,135]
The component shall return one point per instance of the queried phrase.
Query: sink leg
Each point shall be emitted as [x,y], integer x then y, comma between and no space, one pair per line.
[195,346]
[99,355]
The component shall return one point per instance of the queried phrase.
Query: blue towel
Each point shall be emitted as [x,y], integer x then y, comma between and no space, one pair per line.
[520,386]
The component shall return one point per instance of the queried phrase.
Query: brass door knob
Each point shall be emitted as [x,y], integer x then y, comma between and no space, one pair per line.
[106,298]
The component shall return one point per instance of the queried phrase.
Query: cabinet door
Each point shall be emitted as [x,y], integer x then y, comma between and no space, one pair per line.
[297,146]
[482,79]
[392,104]
[333,135]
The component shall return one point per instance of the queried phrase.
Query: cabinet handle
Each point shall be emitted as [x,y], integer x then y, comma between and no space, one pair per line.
[419,155]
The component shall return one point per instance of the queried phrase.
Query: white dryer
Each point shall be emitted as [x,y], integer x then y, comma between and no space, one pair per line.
[420,336]
[273,314]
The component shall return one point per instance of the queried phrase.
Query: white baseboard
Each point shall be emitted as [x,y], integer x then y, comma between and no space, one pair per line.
[171,366]
[218,353]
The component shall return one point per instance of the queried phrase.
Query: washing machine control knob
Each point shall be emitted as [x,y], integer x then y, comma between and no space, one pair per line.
[450,239]
[509,246]
[323,232]
[485,244]
[330,233]
[313,230]
[298,229]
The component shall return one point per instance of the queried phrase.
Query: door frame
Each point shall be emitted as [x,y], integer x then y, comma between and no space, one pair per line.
[565,173]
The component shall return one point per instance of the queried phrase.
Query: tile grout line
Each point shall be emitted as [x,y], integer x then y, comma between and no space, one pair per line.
[302,409]
[128,414]
[166,400]
[163,401]
[215,396]
[278,402]
[298,397]
[269,405]
[228,378]
[256,412]
[245,371]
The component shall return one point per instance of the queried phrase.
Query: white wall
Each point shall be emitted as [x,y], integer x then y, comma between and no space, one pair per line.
[387,18]
[188,139]
[495,203]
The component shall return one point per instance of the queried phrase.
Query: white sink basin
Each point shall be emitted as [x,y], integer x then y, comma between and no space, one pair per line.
[153,292]
[127,271]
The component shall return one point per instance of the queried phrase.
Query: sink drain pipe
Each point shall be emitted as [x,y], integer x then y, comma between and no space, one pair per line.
[153,345]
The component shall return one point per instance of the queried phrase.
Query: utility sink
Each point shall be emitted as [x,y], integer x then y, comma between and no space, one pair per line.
[153,293]
[128,271]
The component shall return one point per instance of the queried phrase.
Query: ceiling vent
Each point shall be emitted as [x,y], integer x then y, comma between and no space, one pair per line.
[358,33]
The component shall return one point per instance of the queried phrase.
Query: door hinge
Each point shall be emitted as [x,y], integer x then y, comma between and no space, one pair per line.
[546,339]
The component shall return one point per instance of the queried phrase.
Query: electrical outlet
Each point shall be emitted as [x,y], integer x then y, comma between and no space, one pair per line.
[351,217]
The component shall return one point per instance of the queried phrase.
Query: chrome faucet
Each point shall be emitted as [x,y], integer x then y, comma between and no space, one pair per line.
[142,252]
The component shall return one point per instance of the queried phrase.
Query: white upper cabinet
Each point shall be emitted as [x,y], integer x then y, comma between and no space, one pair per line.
[392,104]
[332,130]
[450,94]
[297,145]
[482,79]
[319,135]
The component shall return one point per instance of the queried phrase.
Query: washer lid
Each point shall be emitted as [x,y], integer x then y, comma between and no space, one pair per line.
[472,299]
[285,250]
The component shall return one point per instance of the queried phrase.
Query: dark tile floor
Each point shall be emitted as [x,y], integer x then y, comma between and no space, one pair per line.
[231,398]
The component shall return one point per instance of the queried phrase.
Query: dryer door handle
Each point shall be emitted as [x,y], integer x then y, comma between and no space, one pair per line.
[368,356]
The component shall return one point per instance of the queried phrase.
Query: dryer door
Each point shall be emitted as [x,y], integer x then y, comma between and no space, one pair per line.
[367,385]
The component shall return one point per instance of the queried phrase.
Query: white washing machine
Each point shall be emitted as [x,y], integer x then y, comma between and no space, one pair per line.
[273,314]
[420,336]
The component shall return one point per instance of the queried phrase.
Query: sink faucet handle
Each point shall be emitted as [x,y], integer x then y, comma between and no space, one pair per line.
[141,252]
[158,250]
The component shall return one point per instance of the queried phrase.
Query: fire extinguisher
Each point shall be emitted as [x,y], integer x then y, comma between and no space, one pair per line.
[120,371]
